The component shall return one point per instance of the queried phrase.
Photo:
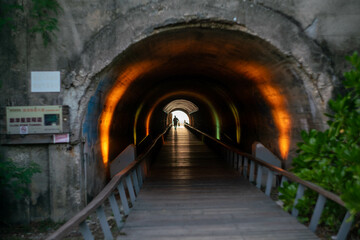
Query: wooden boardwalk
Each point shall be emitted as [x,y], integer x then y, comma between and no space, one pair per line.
[190,194]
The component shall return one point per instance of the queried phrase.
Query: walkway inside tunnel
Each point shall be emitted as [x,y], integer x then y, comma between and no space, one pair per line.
[191,194]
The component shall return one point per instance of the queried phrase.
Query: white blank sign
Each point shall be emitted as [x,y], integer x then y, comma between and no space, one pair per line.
[45,81]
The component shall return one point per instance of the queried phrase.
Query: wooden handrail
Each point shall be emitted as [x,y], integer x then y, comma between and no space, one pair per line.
[290,176]
[103,195]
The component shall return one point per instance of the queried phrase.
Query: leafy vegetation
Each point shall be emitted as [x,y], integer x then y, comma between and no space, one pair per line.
[42,14]
[331,158]
[42,11]
[15,178]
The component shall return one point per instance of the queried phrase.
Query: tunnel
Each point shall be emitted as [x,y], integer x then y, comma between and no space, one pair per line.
[233,85]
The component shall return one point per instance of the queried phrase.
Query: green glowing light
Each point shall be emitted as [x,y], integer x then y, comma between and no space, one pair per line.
[216,118]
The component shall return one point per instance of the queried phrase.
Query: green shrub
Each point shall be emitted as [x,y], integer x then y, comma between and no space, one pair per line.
[331,158]
[15,178]
[43,16]
[43,11]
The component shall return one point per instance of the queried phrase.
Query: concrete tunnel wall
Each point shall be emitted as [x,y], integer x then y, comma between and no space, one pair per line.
[302,43]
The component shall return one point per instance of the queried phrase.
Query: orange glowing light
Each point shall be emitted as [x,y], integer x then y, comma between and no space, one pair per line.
[262,76]
[114,96]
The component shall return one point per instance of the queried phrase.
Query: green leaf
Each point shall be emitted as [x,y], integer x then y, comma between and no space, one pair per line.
[331,158]
[15,178]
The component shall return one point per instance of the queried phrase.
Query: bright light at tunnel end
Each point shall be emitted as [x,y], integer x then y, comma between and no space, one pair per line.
[182,116]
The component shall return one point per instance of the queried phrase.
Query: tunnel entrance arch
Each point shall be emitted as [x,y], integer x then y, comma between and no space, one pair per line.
[257,91]
[234,74]
[255,64]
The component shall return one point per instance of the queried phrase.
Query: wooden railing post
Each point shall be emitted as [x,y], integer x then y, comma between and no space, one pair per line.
[123,198]
[320,203]
[115,210]
[240,159]
[136,182]
[85,231]
[103,223]
[344,228]
[269,182]
[299,194]
[259,177]
[252,169]
[130,189]
[283,179]
[140,175]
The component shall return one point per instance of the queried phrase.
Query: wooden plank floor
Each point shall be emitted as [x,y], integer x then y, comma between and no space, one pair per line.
[190,194]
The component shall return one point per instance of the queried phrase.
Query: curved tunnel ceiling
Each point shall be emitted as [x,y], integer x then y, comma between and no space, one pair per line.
[240,70]
[182,104]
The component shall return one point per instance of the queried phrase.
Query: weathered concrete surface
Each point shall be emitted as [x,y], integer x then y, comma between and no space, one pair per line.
[314,34]
[65,181]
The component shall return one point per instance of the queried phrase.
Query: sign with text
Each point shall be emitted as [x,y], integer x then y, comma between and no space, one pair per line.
[45,81]
[34,119]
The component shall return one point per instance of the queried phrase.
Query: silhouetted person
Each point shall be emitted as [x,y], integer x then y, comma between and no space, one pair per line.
[175,120]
